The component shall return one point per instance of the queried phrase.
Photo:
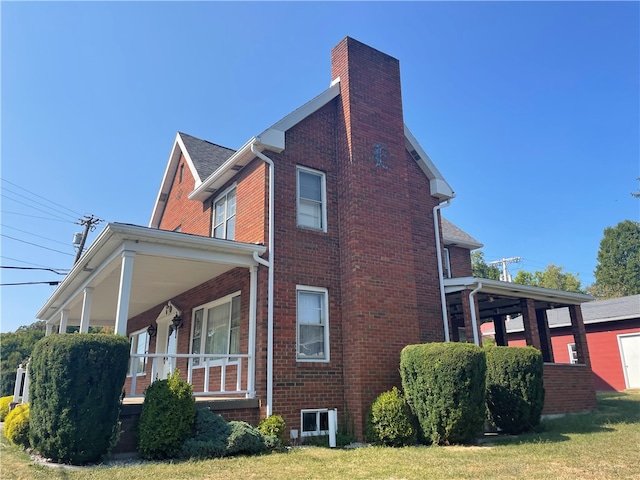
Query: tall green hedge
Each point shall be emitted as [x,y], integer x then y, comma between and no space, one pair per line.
[445,387]
[76,384]
[515,391]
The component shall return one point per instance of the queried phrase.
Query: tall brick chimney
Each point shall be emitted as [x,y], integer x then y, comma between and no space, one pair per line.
[379,298]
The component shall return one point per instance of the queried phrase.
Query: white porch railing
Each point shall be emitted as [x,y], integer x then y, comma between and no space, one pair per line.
[214,368]
[22,385]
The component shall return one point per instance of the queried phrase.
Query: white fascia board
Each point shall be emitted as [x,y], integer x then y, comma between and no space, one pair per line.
[438,185]
[167,179]
[456,242]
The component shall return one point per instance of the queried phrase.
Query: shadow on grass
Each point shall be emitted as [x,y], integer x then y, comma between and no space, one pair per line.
[613,408]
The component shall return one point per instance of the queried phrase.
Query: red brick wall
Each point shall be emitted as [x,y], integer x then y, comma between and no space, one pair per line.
[460,260]
[568,389]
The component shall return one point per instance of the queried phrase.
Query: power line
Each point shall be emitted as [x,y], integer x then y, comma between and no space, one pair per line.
[31,206]
[36,245]
[33,268]
[40,196]
[29,263]
[46,205]
[53,283]
[35,216]
[34,234]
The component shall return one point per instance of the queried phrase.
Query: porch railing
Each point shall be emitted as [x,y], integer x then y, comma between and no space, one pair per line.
[22,385]
[218,377]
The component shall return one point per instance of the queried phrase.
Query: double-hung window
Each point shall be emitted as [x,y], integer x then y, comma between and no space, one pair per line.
[312,324]
[216,328]
[139,343]
[573,353]
[224,215]
[312,204]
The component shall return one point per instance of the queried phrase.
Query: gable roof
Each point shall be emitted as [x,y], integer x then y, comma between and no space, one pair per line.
[455,237]
[206,156]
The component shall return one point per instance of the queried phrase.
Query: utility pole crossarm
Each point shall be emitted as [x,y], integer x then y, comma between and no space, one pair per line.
[89,222]
[505,262]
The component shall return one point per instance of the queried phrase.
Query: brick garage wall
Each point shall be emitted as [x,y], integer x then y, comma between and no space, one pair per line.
[568,389]
[460,259]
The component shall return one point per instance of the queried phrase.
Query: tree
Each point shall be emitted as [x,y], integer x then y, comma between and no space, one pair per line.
[552,277]
[481,269]
[15,348]
[618,270]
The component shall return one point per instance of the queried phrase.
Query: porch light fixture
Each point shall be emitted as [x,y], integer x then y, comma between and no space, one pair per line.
[152,330]
[177,322]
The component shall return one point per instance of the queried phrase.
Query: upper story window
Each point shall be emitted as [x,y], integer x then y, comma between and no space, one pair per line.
[447,264]
[312,324]
[312,203]
[573,353]
[216,328]
[139,342]
[224,215]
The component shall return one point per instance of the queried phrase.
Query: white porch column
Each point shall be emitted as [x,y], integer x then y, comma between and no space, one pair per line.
[124,293]
[64,318]
[49,330]
[86,310]
[253,306]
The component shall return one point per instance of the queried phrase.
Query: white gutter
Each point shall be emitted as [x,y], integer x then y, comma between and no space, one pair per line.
[269,265]
[472,306]
[443,297]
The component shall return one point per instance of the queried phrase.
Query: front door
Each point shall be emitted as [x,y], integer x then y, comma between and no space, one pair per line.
[169,364]
[630,356]
[166,343]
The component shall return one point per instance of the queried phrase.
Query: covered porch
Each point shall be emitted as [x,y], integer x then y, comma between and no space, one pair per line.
[136,280]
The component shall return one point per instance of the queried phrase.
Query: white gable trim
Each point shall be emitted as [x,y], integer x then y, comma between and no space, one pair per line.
[167,180]
[439,186]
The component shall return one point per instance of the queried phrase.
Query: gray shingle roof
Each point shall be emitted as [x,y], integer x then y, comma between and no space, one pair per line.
[206,156]
[453,235]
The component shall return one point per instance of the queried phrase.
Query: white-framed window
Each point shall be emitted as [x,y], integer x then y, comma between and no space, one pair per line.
[139,344]
[216,328]
[312,324]
[311,199]
[314,422]
[447,264]
[224,215]
[573,353]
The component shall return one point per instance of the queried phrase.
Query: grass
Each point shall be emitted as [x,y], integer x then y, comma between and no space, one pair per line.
[603,444]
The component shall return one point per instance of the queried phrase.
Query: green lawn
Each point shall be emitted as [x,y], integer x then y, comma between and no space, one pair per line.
[604,444]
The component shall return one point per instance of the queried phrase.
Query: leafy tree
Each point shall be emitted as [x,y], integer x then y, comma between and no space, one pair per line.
[480,267]
[637,193]
[15,348]
[618,270]
[552,277]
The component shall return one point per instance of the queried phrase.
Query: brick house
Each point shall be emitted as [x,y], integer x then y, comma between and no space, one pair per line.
[613,335]
[286,276]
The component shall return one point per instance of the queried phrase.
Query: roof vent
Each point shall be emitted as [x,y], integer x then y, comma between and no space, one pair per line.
[415,155]
[163,197]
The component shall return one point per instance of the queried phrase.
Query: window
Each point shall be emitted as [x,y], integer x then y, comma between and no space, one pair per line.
[447,264]
[573,353]
[312,324]
[314,422]
[181,177]
[216,328]
[224,215]
[139,342]
[312,211]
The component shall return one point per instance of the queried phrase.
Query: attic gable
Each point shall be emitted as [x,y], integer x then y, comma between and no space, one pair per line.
[454,236]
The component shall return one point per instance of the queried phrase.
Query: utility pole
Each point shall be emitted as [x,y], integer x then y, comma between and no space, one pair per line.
[89,222]
[506,276]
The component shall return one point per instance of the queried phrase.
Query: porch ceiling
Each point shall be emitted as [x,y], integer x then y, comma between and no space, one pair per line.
[165,264]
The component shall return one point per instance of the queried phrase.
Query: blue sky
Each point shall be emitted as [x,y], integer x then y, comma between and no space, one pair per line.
[530,111]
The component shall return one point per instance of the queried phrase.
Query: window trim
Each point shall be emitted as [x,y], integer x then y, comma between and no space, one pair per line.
[136,333]
[317,432]
[572,349]
[215,303]
[323,198]
[325,305]
[225,194]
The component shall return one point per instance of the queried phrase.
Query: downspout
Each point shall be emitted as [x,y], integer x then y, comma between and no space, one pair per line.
[269,265]
[472,305]
[443,298]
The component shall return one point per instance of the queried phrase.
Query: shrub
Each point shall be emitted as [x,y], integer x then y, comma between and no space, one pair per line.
[210,437]
[16,425]
[167,418]
[76,383]
[444,384]
[273,425]
[244,439]
[515,391]
[390,419]
[5,403]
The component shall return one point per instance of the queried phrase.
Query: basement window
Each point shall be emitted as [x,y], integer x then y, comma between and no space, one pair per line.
[314,422]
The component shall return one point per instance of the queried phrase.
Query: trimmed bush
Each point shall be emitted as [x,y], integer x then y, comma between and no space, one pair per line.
[390,419]
[244,439]
[76,383]
[167,418]
[210,438]
[16,425]
[5,403]
[273,425]
[515,391]
[444,384]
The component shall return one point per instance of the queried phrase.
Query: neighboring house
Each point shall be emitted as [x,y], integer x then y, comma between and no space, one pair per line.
[613,335]
[286,276]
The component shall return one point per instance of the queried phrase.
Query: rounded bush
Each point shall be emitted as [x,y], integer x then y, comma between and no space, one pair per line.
[210,437]
[5,403]
[515,391]
[390,419]
[167,418]
[444,384]
[16,425]
[273,425]
[244,439]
